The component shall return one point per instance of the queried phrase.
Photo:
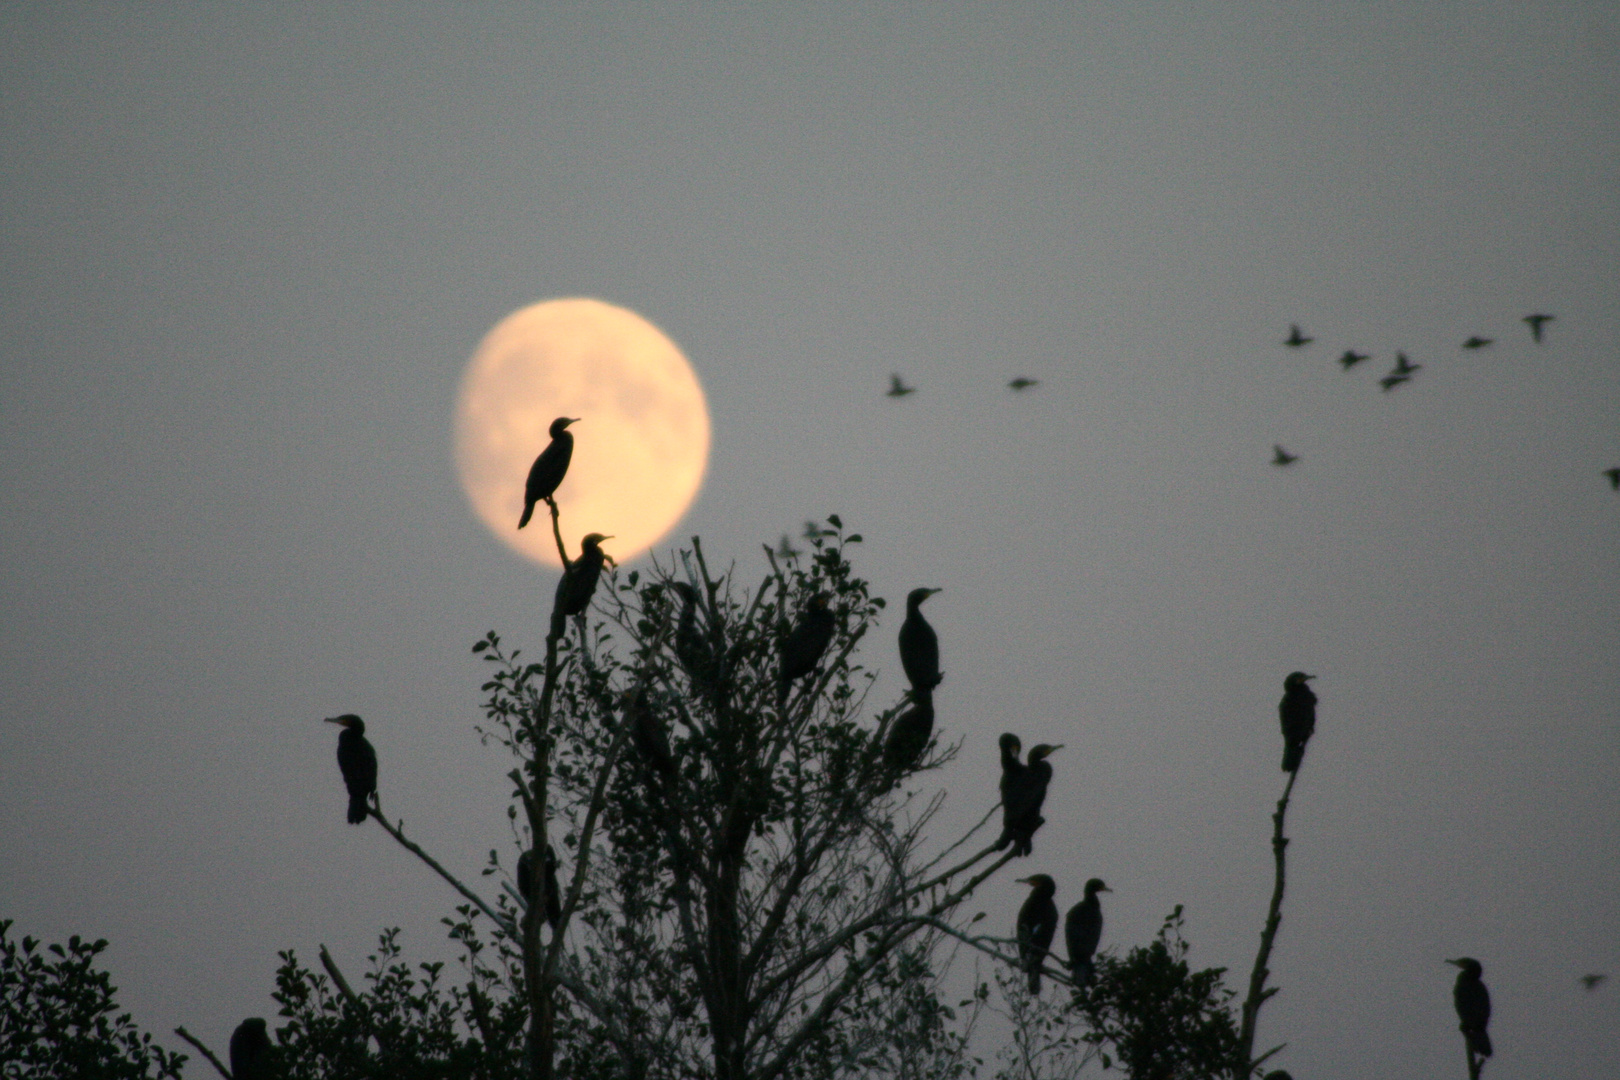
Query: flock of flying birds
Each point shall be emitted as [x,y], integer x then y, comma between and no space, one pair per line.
[1402,372]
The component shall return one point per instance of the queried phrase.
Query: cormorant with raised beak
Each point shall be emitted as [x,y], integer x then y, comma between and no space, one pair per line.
[1023,790]
[1297,711]
[1037,925]
[1082,929]
[919,645]
[578,583]
[358,763]
[549,468]
[1473,1003]
[250,1050]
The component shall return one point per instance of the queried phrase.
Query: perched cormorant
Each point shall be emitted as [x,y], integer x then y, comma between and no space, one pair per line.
[1473,1003]
[1022,793]
[898,388]
[1037,923]
[1022,383]
[1281,457]
[1296,338]
[1351,358]
[578,583]
[647,732]
[1391,381]
[1477,342]
[1614,477]
[549,468]
[919,645]
[250,1050]
[802,650]
[358,763]
[909,735]
[1012,771]
[1297,711]
[1536,322]
[1082,929]
[691,648]
[527,881]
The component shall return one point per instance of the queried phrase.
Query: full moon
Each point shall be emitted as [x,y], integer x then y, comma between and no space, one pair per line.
[640,447]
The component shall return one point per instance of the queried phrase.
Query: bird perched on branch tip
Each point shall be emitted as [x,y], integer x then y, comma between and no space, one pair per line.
[549,468]
[357,761]
[1297,712]
[1037,924]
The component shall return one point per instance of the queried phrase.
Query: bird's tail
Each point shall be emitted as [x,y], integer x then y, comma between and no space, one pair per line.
[1035,976]
[1084,972]
[1478,1041]
[358,810]
[1293,757]
[528,512]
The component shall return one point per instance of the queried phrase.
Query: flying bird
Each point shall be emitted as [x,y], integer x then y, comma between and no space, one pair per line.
[1082,929]
[919,645]
[1477,342]
[1037,924]
[1282,457]
[578,582]
[1390,382]
[786,550]
[1022,383]
[549,468]
[1296,339]
[1536,323]
[1614,477]
[1023,791]
[1297,711]
[357,761]
[802,649]
[1351,358]
[1473,1003]
[250,1050]
[1403,366]
[898,388]
[909,736]
[1593,981]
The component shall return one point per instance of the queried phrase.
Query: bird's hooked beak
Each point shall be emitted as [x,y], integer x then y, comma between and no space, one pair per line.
[1024,881]
[340,721]
[1455,963]
[1308,678]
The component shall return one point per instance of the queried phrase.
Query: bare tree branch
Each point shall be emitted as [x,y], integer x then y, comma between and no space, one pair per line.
[204,1051]
[1259,994]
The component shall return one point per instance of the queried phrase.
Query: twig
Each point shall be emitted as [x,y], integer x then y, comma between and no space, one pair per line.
[1259,994]
[337,978]
[204,1051]
[398,834]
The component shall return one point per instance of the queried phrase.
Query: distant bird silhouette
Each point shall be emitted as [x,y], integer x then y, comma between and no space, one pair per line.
[1037,924]
[802,649]
[1536,323]
[919,645]
[578,583]
[1390,382]
[785,549]
[691,646]
[1351,358]
[1614,477]
[909,735]
[1023,791]
[648,734]
[1593,981]
[1477,342]
[1473,1003]
[1022,383]
[250,1050]
[357,761]
[1297,711]
[1403,366]
[1296,339]
[549,468]
[898,388]
[1280,457]
[529,882]
[1082,930]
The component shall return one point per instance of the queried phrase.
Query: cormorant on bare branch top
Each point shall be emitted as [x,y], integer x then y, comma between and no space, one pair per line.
[250,1050]
[357,761]
[1021,383]
[1023,790]
[549,468]
[1477,342]
[909,735]
[1082,929]
[1296,338]
[1536,323]
[802,649]
[919,645]
[578,583]
[898,388]
[1037,924]
[1473,1003]
[1297,711]
[1351,358]
[1281,457]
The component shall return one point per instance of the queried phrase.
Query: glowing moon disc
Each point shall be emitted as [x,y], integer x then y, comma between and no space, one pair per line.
[640,447]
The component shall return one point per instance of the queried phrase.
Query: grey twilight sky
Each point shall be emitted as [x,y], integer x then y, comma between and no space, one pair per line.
[246,255]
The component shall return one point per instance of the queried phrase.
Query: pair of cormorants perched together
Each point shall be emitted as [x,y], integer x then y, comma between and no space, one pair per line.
[1023,790]
[919,658]
[1037,925]
[579,578]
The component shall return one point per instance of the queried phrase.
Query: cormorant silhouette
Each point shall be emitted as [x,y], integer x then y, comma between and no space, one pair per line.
[898,388]
[1082,930]
[802,649]
[1037,923]
[527,882]
[1593,981]
[1022,383]
[1404,366]
[647,732]
[357,761]
[1281,457]
[1390,382]
[786,549]
[1351,358]
[1536,323]
[919,645]
[578,583]
[691,646]
[250,1050]
[1477,342]
[1022,792]
[549,468]
[1297,711]
[909,735]
[1296,338]
[1614,477]
[1473,1003]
